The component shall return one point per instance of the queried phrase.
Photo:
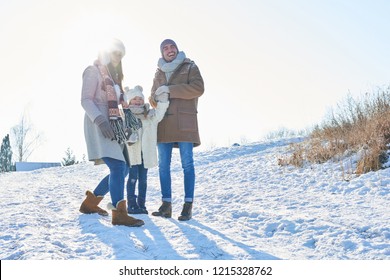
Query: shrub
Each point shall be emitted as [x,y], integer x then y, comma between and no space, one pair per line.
[359,126]
[69,158]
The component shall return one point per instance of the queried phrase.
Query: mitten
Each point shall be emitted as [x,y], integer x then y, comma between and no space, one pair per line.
[105,127]
[151,113]
[161,90]
[162,97]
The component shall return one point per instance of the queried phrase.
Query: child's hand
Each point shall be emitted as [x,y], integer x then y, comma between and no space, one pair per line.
[124,104]
[152,102]
[151,113]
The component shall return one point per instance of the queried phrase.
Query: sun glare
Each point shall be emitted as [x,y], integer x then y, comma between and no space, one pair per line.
[85,35]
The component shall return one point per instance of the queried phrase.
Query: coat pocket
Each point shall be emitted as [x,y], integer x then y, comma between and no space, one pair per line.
[187,120]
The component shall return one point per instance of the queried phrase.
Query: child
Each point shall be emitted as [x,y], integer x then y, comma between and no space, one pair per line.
[143,153]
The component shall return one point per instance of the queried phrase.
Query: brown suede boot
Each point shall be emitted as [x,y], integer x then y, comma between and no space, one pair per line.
[165,210]
[90,204]
[120,217]
[186,213]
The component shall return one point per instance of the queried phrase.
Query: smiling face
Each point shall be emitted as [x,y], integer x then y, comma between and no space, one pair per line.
[169,52]
[137,101]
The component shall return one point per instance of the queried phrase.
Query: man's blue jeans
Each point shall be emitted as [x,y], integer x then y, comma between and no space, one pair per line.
[115,181]
[187,163]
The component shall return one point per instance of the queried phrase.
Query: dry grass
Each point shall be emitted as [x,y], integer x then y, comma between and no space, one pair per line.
[357,126]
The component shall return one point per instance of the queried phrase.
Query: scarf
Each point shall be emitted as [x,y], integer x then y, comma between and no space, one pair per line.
[121,130]
[169,67]
[131,121]
[142,112]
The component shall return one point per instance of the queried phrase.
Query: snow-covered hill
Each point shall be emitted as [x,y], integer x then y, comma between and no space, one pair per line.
[247,207]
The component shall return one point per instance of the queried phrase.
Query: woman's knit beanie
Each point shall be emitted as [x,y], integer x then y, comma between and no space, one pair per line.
[114,45]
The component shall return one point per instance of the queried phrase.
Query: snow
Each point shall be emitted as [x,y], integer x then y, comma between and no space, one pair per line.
[247,207]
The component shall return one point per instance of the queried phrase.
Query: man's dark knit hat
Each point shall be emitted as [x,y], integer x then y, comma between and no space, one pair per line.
[166,42]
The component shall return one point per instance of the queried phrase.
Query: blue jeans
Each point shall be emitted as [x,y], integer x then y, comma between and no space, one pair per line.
[187,163]
[115,181]
[140,173]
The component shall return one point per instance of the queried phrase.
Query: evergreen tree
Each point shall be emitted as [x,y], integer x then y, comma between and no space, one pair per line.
[69,158]
[6,155]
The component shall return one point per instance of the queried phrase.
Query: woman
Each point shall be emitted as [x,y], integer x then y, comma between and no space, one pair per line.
[104,133]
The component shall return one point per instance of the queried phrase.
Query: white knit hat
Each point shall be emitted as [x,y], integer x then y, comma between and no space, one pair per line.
[134,92]
[113,46]
[117,46]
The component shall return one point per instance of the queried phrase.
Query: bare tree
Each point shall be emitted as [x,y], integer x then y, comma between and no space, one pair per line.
[26,139]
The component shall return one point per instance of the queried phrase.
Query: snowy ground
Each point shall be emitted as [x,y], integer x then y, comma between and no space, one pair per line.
[247,208]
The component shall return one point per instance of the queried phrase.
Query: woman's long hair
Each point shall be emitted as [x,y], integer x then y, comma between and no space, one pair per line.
[116,74]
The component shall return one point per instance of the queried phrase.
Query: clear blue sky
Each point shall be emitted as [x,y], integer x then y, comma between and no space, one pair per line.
[266,64]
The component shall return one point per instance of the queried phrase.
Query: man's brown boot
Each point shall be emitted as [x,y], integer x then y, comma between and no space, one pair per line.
[186,214]
[165,210]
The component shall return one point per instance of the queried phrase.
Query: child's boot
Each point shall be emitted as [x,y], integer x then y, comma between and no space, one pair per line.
[142,207]
[132,207]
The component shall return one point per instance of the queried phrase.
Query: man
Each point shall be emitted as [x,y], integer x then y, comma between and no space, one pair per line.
[181,79]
